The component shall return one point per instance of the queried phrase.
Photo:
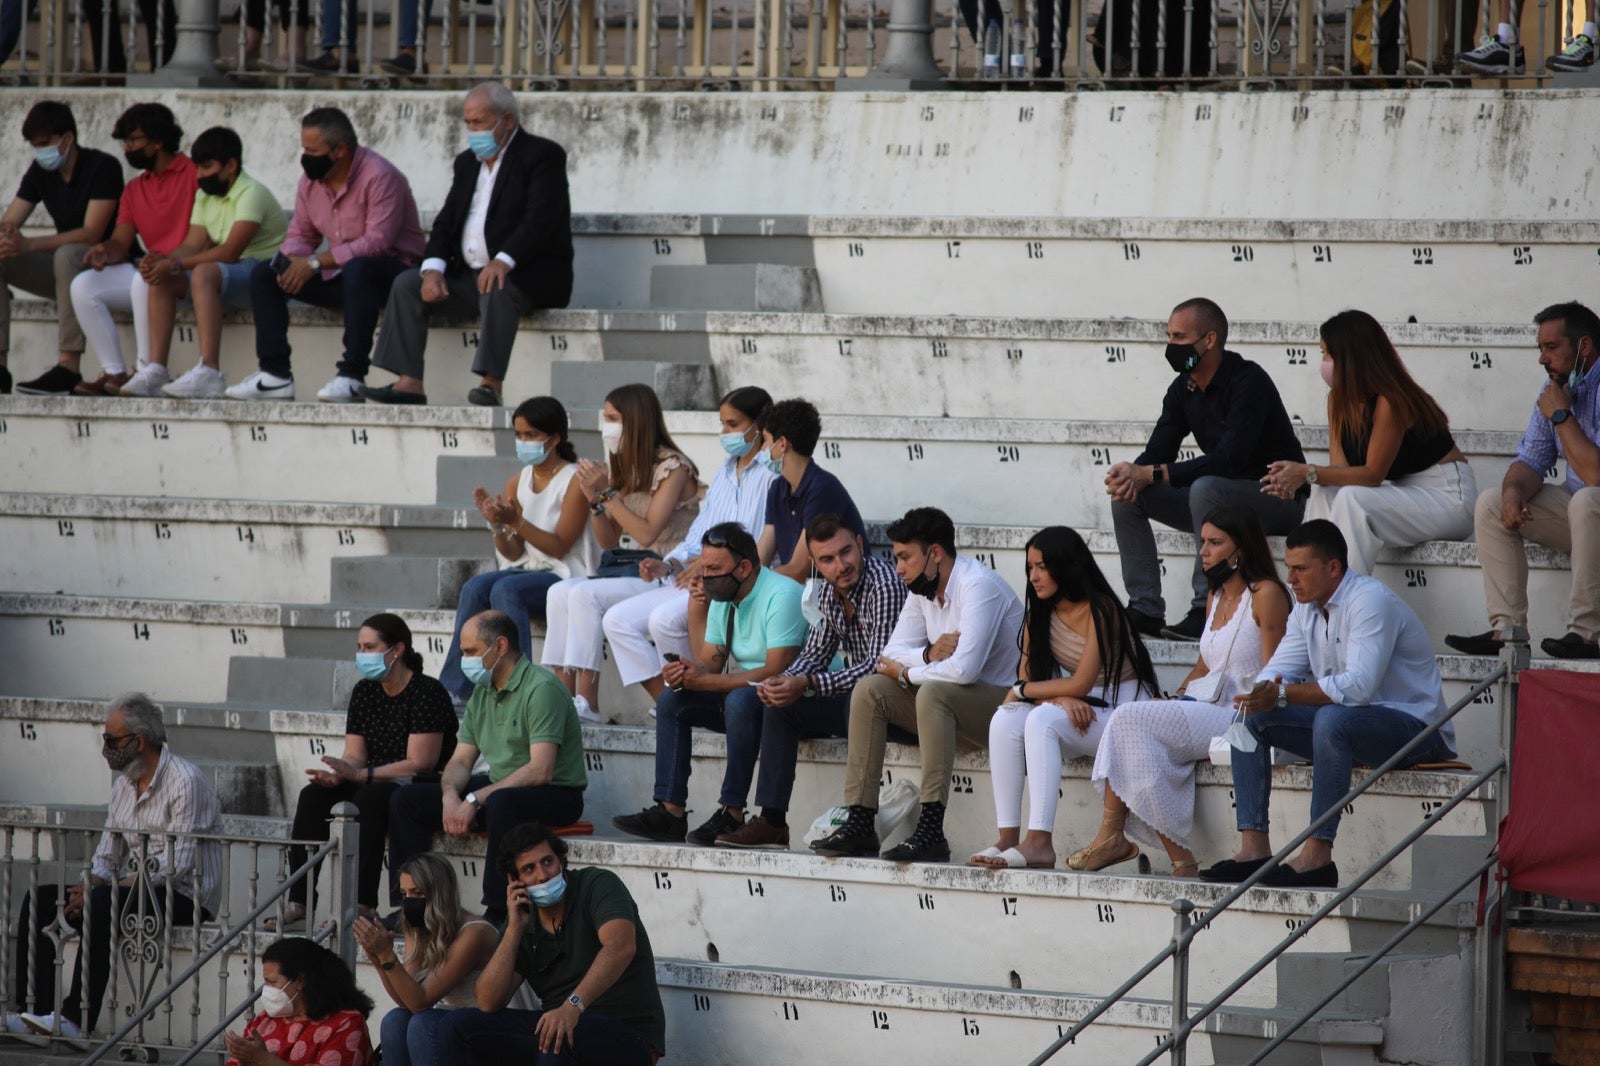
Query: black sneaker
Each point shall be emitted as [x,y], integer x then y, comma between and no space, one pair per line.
[654,823]
[719,823]
[1479,644]
[1146,625]
[403,64]
[57,381]
[5,381]
[1571,646]
[1193,624]
[326,63]
[1493,56]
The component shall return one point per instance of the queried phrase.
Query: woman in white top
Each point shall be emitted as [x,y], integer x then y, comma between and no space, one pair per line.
[1145,766]
[541,533]
[446,949]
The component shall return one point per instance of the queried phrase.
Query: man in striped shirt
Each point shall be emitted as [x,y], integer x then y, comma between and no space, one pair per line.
[156,793]
[858,603]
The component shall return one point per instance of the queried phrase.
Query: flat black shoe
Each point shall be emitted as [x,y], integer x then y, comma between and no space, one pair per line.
[719,823]
[912,849]
[1478,644]
[840,844]
[1146,625]
[5,381]
[390,394]
[1288,877]
[57,381]
[483,396]
[1231,871]
[654,823]
[1193,624]
[1571,646]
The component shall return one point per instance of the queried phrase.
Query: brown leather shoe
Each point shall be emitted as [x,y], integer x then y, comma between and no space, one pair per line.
[104,385]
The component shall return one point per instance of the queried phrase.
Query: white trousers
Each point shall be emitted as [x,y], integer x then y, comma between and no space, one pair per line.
[97,293]
[1032,739]
[645,627]
[573,610]
[1435,504]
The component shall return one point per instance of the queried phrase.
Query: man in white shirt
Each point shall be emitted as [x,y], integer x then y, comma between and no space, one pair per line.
[500,248]
[155,793]
[1353,680]
[947,666]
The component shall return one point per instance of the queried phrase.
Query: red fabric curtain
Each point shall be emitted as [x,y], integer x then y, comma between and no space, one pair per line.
[1550,840]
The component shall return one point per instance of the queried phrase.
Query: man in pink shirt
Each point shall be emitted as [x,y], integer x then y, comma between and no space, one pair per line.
[360,206]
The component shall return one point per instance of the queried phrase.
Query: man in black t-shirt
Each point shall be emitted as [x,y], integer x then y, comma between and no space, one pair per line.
[80,188]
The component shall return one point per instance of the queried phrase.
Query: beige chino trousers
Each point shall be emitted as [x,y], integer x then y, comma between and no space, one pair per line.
[941,714]
[1562,520]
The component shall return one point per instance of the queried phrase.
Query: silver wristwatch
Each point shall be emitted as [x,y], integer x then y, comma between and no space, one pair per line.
[1283,696]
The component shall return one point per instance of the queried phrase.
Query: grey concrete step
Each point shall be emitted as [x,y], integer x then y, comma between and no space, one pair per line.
[582,385]
[424,581]
[741,287]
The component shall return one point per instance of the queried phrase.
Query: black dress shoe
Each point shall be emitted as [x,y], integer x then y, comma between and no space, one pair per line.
[1193,624]
[390,394]
[1288,877]
[1146,625]
[5,381]
[483,396]
[1231,871]
[1571,646]
[1478,644]
[57,381]
[842,843]
[920,848]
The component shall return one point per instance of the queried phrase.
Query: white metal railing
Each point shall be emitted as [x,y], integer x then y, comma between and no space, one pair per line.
[765,44]
[161,969]
[1489,963]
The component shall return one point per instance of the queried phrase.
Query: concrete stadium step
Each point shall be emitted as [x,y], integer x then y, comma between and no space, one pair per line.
[218,548]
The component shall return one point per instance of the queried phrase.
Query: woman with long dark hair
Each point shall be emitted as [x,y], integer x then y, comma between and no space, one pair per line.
[311,1011]
[643,497]
[1394,474]
[541,532]
[1080,657]
[1144,768]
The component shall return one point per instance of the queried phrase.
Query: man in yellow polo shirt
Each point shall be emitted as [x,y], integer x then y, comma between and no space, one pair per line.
[522,720]
[236,223]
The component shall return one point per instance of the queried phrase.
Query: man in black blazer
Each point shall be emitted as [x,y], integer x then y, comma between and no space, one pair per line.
[500,248]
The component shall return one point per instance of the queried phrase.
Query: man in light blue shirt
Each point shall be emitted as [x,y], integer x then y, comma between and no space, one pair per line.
[1353,680]
[1565,424]
[746,626]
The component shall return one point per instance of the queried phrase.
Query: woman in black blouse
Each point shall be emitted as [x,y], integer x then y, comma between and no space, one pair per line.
[1395,476]
[400,723]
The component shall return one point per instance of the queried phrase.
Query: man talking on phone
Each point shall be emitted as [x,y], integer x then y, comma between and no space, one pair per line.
[576,938]
[745,626]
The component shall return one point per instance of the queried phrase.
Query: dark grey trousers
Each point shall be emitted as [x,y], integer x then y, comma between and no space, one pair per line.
[405,323]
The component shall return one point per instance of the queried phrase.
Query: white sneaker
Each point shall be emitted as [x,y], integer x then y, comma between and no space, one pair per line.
[341,390]
[15,1025]
[262,386]
[147,381]
[199,383]
[585,712]
[46,1023]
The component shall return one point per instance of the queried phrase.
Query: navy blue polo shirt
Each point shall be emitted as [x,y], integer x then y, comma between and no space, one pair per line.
[788,513]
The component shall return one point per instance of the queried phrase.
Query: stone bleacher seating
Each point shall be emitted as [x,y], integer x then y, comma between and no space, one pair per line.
[979,335]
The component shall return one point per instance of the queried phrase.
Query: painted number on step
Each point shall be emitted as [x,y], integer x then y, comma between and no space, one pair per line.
[29,731]
[1322,253]
[318,746]
[836,894]
[986,558]
[160,431]
[469,867]
[755,888]
[952,249]
[56,627]
[927,114]
[1422,256]
[358,436]
[141,631]
[855,250]
[238,636]
[748,346]
[258,434]
[246,534]
[1100,456]
[1202,112]
[82,429]
[1394,112]
[469,339]
[844,346]
[1243,253]
[1429,807]
[163,531]
[961,783]
[1104,913]
[1485,112]
[702,1002]
[791,1011]
[1117,111]
[1008,906]
[1296,356]
[593,762]
[1294,923]
[969,1027]
[1480,360]
[662,246]
[663,881]
[1186,455]
[940,349]
[1025,114]
[1061,1031]
[1035,249]
[1130,251]
[1299,113]
[436,646]
[1416,578]
[64,528]
[558,342]
[831,450]
[347,537]
[1521,255]
[1013,355]
[1116,353]
[1008,453]
[185,334]
[880,1019]
[913,452]
[924,901]
[449,438]
[1485,697]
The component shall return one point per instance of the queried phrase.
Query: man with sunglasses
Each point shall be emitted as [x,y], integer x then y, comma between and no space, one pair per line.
[156,793]
[745,626]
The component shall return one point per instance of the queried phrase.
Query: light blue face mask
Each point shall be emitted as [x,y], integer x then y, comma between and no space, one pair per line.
[472,666]
[49,157]
[774,465]
[531,452]
[736,445]
[1576,379]
[549,893]
[482,142]
[374,665]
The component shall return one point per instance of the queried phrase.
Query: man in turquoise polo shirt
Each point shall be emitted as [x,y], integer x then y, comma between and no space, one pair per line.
[745,626]
[521,719]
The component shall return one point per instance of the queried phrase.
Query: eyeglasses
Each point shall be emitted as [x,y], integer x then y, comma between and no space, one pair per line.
[111,741]
[713,539]
[135,141]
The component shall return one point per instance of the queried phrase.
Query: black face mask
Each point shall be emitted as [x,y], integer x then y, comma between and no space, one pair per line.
[214,185]
[140,159]
[414,909]
[1219,573]
[1182,357]
[925,586]
[316,167]
[721,587]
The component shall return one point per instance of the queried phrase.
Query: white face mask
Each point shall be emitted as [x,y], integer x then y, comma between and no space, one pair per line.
[610,435]
[275,1002]
[810,607]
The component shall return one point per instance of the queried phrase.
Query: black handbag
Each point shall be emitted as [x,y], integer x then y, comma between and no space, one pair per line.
[622,562]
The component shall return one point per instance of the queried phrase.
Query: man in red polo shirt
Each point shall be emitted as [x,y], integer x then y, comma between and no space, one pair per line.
[154,210]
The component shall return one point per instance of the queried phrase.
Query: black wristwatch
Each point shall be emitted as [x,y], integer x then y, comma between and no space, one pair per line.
[1558,417]
[1158,475]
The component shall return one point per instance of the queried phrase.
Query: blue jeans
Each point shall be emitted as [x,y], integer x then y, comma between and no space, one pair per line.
[780,730]
[1334,738]
[412,1039]
[517,593]
[360,289]
[676,714]
[476,1038]
[408,20]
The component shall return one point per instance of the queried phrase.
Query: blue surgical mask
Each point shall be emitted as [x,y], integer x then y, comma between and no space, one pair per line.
[49,157]
[1576,379]
[482,143]
[774,465]
[531,452]
[374,665]
[736,445]
[549,893]
[474,669]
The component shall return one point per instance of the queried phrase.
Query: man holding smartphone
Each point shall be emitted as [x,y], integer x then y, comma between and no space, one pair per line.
[745,626]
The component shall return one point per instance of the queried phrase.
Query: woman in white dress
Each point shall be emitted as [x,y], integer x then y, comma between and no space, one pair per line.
[1080,657]
[1144,768]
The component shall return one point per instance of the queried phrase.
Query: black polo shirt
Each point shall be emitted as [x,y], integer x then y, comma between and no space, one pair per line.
[1238,420]
[95,176]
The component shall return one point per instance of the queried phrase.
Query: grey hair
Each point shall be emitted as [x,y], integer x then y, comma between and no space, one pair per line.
[142,716]
[500,99]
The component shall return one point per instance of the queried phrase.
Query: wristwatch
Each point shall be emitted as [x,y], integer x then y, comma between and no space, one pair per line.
[1311,474]
[1558,417]
[472,797]
[904,679]
[1283,696]
[1158,474]
[576,1001]
[811,687]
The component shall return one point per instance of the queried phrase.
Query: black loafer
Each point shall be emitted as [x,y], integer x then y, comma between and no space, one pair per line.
[390,394]
[1231,871]
[483,396]
[1146,625]
[840,844]
[1478,644]
[1288,877]
[915,849]
[1571,646]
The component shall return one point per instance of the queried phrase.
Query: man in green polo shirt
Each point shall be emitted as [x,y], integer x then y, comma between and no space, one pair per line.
[521,719]
[576,938]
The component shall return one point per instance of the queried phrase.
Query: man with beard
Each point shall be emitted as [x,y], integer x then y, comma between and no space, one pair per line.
[156,793]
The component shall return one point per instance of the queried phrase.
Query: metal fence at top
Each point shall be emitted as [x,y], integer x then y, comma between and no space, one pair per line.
[763,44]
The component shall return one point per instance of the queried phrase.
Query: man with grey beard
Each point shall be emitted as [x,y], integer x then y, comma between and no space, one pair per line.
[155,793]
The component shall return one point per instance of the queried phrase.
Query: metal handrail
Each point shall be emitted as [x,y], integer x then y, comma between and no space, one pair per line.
[1182,938]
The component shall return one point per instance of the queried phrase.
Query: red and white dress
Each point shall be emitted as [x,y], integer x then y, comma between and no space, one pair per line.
[340,1039]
